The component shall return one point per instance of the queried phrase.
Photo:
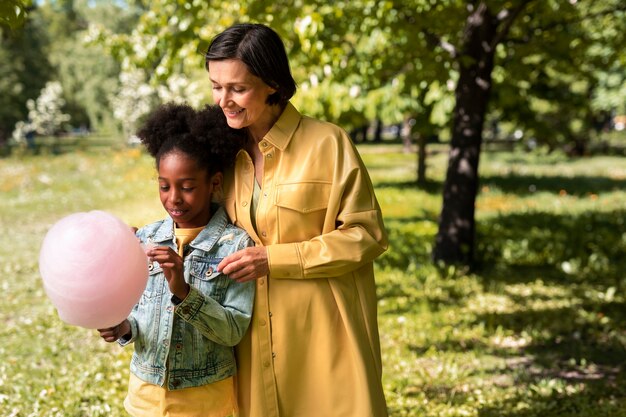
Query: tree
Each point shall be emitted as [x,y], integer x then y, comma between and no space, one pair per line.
[533,63]
[24,72]
[45,115]
[481,36]
[487,27]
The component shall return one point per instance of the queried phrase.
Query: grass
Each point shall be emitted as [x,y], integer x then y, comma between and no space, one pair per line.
[537,330]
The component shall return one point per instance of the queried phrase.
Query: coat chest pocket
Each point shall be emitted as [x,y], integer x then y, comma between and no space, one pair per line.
[203,275]
[301,209]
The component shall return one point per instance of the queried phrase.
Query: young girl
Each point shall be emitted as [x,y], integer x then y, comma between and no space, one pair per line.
[190,315]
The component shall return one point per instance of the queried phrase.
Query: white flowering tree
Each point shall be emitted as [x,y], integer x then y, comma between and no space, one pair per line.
[180,89]
[134,99]
[45,114]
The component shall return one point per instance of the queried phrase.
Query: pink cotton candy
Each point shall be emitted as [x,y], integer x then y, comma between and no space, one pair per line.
[93,268]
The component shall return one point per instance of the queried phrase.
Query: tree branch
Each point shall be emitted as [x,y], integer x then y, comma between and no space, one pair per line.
[434,40]
[507,17]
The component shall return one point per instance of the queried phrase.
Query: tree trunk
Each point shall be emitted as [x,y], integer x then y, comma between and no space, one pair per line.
[378,131]
[455,238]
[421,159]
[406,134]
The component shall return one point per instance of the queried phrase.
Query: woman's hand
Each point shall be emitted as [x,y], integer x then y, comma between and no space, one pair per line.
[111,334]
[172,265]
[246,264]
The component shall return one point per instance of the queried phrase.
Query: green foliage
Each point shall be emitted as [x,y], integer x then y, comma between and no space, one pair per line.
[561,70]
[558,70]
[13,13]
[24,71]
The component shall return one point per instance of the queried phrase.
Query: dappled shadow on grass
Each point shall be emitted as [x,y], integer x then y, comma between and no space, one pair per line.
[579,185]
[429,186]
[562,334]
[567,248]
[523,185]
[600,393]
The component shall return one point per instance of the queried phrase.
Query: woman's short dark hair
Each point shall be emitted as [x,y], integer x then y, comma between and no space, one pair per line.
[263,52]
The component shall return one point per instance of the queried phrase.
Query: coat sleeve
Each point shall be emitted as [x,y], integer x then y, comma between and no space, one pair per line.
[353,232]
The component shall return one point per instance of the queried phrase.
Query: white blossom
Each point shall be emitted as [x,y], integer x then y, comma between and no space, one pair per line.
[180,89]
[134,99]
[45,115]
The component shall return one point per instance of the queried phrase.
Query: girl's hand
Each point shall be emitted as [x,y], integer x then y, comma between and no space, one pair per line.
[246,264]
[172,265]
[111,334]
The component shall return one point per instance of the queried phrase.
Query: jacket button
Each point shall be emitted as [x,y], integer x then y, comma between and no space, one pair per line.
[186,310]
[261,282]
[245,203]
[262,322]
[150,267]
[175,382]
[209,272]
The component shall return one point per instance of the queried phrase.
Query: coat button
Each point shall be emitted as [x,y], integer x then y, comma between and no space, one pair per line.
[245,203]
[209,272]
[150,267]
[262,322]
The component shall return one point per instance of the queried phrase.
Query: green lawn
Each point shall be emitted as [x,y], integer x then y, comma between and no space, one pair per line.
[537,330]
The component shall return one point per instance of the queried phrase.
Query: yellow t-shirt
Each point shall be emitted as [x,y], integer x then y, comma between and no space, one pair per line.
[213,400]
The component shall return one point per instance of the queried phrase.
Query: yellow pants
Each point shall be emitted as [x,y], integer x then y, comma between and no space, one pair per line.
[213,400]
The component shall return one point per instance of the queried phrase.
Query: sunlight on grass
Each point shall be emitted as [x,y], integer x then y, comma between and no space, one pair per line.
[537,330]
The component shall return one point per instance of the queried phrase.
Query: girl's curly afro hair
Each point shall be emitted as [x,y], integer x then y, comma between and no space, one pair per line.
[202,135]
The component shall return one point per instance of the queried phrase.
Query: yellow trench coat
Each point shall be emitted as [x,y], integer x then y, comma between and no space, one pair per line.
[312,348]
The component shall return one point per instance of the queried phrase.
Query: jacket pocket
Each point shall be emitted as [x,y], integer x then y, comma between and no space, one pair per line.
[204,276]
[301,210]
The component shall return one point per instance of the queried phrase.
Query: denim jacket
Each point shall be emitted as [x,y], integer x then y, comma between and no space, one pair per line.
[190,344]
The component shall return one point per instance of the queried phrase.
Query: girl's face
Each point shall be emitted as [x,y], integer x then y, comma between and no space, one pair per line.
[242,96]
[185,190]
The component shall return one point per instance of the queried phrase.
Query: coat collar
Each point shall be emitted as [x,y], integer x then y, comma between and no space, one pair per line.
[281,133]
[206,239]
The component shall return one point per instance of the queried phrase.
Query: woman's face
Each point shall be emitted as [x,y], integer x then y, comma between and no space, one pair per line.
[241,95]
[185,190]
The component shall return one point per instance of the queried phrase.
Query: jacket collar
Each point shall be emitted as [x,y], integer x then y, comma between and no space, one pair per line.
[281,133]
[206,239]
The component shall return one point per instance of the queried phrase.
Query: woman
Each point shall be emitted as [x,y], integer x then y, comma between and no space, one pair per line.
[303,194]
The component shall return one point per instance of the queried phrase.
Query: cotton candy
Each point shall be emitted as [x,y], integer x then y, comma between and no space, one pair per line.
[93,269]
